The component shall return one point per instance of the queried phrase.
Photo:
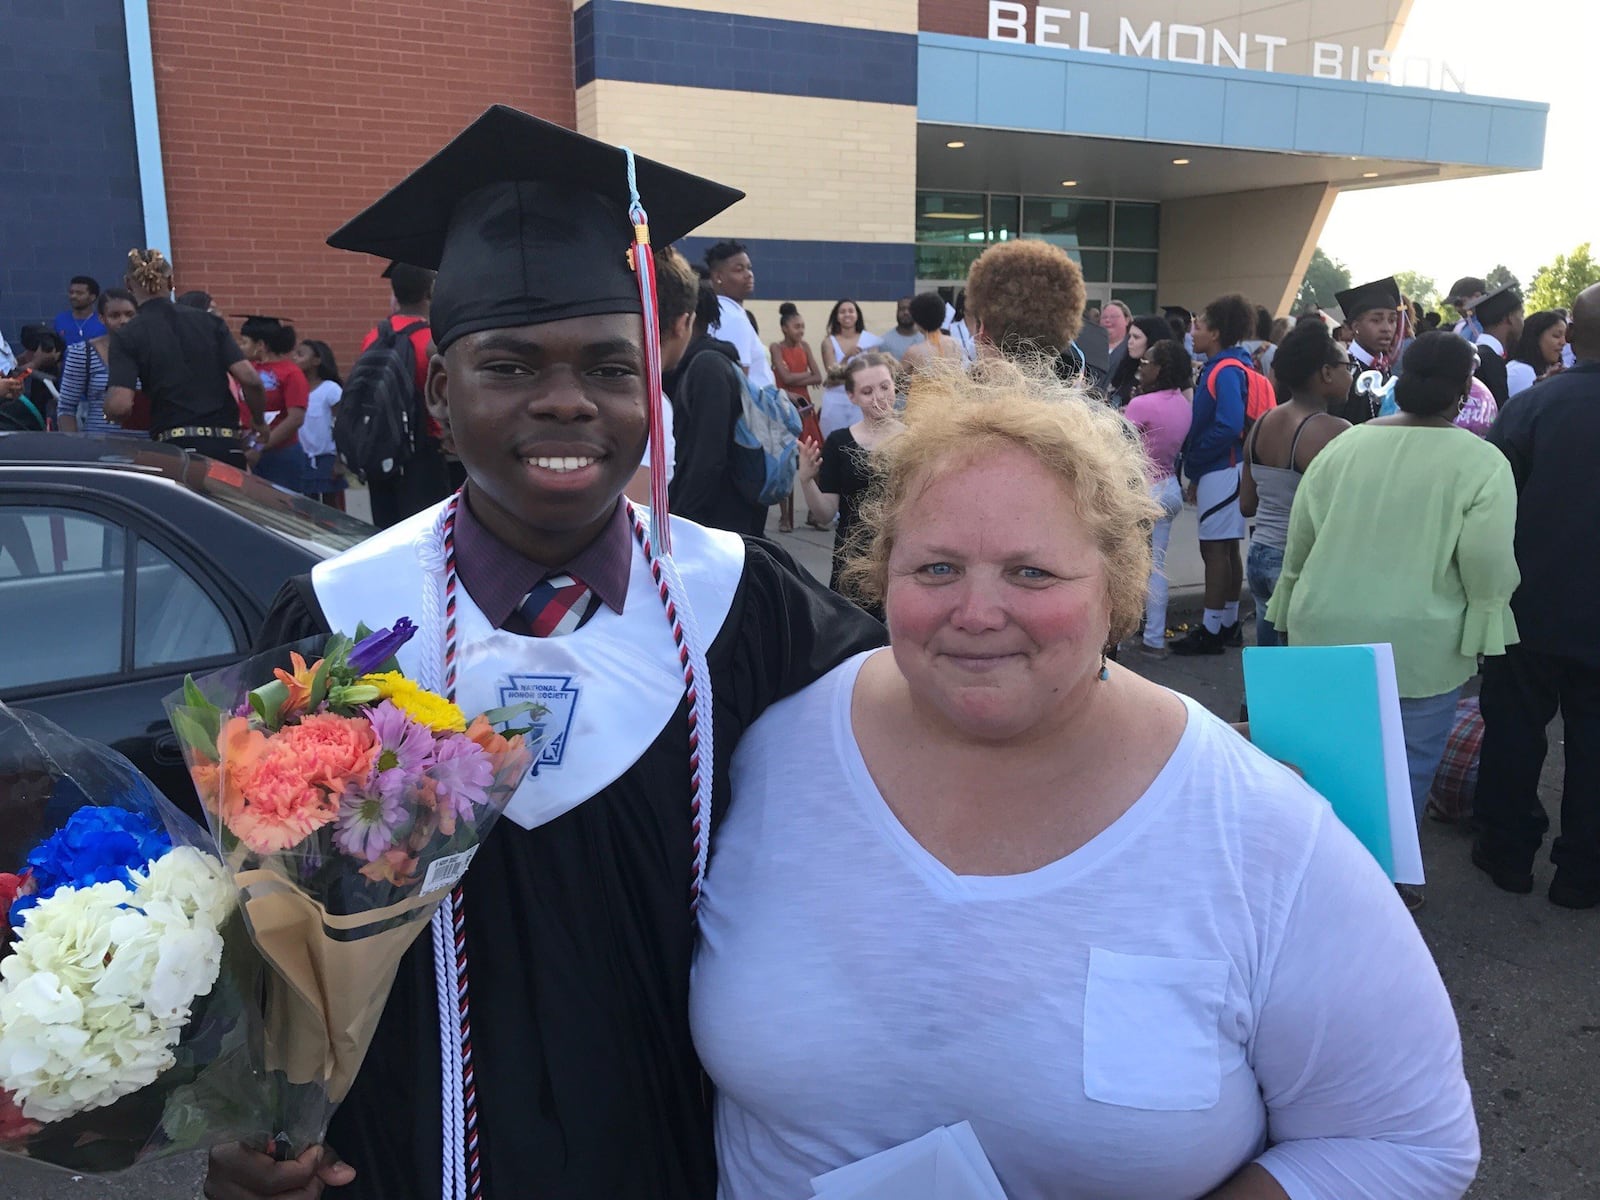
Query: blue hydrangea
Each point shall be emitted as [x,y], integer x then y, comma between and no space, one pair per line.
[96,845]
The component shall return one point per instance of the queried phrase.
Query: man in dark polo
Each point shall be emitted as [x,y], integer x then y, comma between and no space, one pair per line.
[182,358]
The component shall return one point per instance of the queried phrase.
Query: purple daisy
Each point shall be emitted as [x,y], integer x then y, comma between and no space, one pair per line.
[402,743]
[462,774]
[367,821]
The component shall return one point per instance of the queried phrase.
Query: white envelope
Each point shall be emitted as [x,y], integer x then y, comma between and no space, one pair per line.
[946,1164]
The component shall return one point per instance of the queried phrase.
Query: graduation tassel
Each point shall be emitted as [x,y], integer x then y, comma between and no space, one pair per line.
[644,271]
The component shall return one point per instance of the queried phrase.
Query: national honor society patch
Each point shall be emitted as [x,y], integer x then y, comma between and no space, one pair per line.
[558,696]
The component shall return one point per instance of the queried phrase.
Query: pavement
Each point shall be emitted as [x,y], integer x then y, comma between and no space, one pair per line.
[1524,976]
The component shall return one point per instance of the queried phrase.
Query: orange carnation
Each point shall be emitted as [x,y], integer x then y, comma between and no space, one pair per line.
[276,791]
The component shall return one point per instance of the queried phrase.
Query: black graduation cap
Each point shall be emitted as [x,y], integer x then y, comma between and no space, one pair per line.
[526,222]
[1174,312]
[254,324]
[1364,297]
[1494,307]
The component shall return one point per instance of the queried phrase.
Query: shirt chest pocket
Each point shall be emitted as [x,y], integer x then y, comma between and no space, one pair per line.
[1151,1029]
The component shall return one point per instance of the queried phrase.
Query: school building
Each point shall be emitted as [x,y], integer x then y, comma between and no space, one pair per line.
[1177,148]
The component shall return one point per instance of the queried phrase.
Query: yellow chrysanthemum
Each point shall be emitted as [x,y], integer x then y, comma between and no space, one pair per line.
[423,707]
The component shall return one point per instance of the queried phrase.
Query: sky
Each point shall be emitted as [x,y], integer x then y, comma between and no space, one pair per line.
[1531,51]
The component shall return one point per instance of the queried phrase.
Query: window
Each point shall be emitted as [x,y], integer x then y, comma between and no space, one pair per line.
[1004,221]
[1138,226]
[61,592]
[174,620]
[951,217]
[1115,242]
[1142,301]
[945,262]
[1134,266]
[1069,224]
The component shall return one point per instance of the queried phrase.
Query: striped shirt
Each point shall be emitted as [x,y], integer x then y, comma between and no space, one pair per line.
[83,392]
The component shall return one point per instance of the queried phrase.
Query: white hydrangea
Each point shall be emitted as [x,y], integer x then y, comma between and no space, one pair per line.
[101,981]
[194,880]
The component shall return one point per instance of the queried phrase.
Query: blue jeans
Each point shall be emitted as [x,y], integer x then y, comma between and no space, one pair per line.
[1427,721]
[1169,495]
[1261,571]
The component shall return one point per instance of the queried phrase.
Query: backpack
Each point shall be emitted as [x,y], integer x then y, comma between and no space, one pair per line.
[376,421]
[1260,397]
[766,441]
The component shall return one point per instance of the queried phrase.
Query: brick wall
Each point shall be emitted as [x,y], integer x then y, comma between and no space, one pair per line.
[964,18]
[69,196]
[281,119]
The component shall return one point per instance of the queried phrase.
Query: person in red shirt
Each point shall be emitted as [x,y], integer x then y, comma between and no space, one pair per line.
[427,478]
[267,343]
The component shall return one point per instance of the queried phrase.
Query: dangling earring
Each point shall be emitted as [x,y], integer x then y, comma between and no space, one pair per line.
[1105,672]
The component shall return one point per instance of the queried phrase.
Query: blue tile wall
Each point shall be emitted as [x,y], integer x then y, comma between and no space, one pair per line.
[1186,108]
[69,196]
[800,270]
[1259,114]
[1098,97]
[647,43]
[1021,94]
[1516,138]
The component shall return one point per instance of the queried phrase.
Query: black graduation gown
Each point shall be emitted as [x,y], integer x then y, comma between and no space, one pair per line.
[580,943]
[1491,373]
[1359,409]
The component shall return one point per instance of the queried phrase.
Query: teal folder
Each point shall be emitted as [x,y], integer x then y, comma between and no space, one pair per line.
[1333,712]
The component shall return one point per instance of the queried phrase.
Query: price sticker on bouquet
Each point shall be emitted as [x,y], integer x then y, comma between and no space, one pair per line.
[446,872]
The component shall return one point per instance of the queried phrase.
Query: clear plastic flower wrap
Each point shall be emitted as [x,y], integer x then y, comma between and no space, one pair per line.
[126,978]
[345,801]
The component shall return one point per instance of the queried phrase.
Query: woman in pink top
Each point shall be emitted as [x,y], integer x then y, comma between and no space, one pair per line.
[1160,411]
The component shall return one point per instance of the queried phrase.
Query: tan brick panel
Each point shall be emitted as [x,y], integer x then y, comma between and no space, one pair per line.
[813,169]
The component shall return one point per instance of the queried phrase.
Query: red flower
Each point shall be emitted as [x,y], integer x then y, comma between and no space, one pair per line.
[14,1127]
[12,886]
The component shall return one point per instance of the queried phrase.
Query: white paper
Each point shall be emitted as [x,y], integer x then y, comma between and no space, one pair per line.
[1403,843]
[946,1164]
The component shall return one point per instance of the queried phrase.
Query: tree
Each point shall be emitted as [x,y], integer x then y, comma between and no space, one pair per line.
[1558,285]
[1324,278]
[1501,276]
[1414,285]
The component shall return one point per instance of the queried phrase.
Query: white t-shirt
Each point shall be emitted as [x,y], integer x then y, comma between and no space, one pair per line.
[1519,377]
[734,327]
[316,431]
[1223,974]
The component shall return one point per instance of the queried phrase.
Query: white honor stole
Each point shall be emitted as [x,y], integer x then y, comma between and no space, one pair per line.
[609,688]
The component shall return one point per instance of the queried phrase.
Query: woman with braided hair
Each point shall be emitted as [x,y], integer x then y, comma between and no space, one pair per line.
[182,357]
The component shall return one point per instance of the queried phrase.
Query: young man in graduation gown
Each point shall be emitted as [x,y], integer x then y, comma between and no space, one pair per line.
[1372,311]
[577,909]
[1500,313]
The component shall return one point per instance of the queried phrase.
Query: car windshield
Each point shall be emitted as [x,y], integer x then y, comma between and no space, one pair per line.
[322,530]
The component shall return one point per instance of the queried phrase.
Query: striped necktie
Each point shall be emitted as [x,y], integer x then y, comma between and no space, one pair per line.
[560,604]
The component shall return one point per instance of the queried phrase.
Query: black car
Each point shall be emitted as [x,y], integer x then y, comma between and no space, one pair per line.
[125,565]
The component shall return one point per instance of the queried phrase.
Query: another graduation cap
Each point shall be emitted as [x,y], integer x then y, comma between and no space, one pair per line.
[1380,293]
[1494,307]
[526,222]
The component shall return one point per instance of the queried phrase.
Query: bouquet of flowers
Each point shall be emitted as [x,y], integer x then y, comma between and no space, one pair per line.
[122,966]
[346,800]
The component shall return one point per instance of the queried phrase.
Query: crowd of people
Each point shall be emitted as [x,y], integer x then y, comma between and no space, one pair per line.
[260,397]
[903,922]
[871,953]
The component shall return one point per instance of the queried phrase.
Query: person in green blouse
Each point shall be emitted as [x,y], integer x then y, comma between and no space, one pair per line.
[1401,532]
